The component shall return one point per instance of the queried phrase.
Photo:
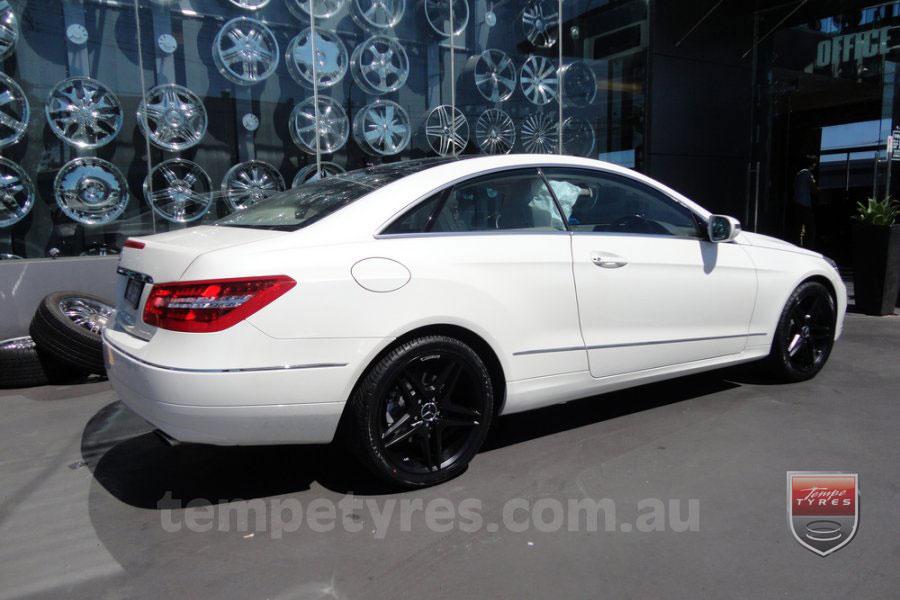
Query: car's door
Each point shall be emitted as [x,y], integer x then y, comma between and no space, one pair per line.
[652,291]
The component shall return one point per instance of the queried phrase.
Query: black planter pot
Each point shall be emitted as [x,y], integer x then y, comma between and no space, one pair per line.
[876,268]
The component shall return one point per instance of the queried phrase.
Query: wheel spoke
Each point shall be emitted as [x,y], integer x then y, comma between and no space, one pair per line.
[400,430]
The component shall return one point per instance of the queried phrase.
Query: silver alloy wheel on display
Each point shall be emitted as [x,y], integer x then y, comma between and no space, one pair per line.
[437,13]
[540,20]
[495,75]
[9,30]
[380,65]
[247,183]
[83,112]
[322,9]
[175,117]
[331,58]
[378,14]
[495,132]
[91,191]
[382,128]
[178,190]
[16,193]
[249,4]
[577,137]
[447,130]
[539,80]
[87,313]
[579,84]
[14,112]
[333,126]
[540,134]
[315,172]
[245,51]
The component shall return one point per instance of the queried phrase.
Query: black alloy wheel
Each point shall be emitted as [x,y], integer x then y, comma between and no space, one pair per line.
[422,412]
[805,334]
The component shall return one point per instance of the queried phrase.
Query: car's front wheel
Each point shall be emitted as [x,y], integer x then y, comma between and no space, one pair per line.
[422,412]
[805,333]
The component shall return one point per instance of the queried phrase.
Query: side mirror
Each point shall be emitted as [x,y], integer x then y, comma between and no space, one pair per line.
[722,228]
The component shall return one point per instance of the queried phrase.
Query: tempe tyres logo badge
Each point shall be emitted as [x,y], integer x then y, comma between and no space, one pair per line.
[823,509]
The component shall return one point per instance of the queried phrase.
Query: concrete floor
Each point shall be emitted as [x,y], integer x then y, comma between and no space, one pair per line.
[80,479]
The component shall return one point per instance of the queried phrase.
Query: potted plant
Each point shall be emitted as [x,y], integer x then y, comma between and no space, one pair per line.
[876,256]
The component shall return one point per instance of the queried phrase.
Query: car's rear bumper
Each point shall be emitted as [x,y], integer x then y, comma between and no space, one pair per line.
[261,406]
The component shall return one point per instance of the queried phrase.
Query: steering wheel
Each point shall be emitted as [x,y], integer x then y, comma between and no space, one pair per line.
[637,224]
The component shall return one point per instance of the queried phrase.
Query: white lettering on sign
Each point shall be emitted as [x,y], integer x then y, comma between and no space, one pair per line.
[856,46]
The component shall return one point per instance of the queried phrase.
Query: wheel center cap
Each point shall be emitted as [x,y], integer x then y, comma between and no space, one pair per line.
[429,412]
[804,331]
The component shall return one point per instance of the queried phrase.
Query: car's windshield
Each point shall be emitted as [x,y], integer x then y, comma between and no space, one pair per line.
[301,206]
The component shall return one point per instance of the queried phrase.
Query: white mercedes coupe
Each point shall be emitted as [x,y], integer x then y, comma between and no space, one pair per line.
[409,304]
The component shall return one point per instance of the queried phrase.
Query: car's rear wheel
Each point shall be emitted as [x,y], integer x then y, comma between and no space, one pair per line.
[422,412]
[805,333]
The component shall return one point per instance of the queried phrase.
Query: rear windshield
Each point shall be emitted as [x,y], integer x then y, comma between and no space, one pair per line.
[301,206]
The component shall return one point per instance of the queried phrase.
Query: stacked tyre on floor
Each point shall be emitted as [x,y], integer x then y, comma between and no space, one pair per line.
[64,344]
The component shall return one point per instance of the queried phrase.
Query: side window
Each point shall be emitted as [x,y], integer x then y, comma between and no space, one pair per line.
[605,202]
[418,218]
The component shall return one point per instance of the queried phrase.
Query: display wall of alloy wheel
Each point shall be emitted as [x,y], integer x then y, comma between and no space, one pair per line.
[16,193]
[540,134]
[437,13]
[83,112]
[332,125]
[377,14]
[315,172]
[178,190]
[577,137]
[322,9]
[247,183]
[249,4]
[495,132]
[175,117]
[9,30]
[579,84]
[495,75]
[67,326]
[540,21]
[91,191]
[447,130]
[245,51]
[330,62]
[380,65]
[14,112]
[382,128]
[539,80]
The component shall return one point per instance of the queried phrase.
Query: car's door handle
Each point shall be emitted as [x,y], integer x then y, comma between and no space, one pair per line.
[608,260]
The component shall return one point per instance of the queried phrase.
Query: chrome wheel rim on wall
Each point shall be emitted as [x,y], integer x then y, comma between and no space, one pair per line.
[175,117]
[91,191]
[86,313]
[249,4]
[495,75]
[540,134]
[539,80]
[331,58]
[540,20]
[9,30]
[14,112]
[380,65]
[311,173]
[16,193]
[437,13]
[333,125]
[579,84]
[322,9]
[577,137]
[245,51]
[378,14]
[247,183]
[178,190]
[495,132]
[447,130]
[83,112]
[382,128]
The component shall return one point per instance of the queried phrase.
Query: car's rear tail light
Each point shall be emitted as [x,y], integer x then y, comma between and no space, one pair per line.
[211,305]
[134,244]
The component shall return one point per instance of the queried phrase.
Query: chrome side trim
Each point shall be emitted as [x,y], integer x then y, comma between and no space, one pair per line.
[242,370]
[548,350]
[625,345]
[134,275]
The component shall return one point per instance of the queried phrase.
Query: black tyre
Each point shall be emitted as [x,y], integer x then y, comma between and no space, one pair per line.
[805,334]
[422,412]
[67,325]
[21,365]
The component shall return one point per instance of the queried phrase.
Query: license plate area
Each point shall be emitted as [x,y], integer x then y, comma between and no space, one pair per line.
[133,289]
